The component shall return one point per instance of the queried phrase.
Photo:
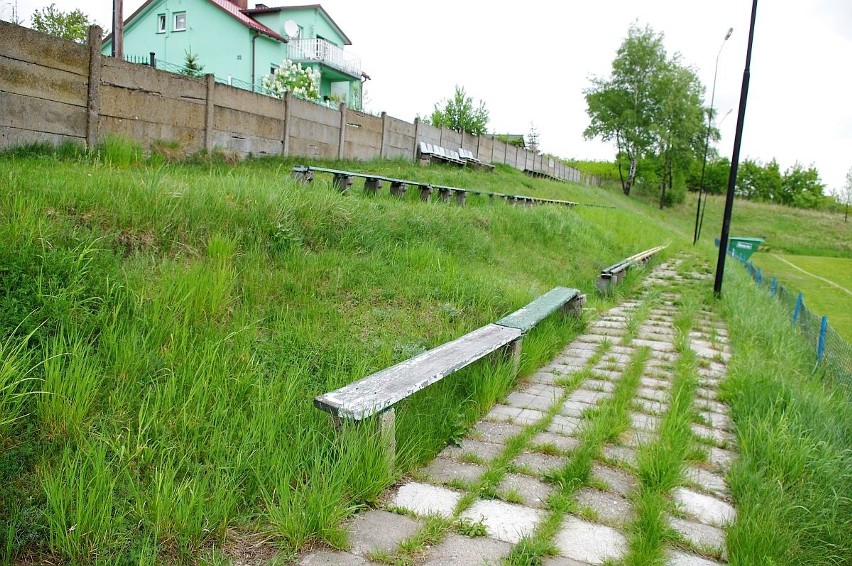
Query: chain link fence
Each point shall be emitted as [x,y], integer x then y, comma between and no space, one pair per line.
[831,352]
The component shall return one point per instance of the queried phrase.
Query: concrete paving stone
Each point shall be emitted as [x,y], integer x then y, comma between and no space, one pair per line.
[701,536]
[442,470]
[615,332]
[502,413]
[524,400]
[561,424]
[709,382]
[546,377]
[610,508]
[495,433]
[580,347]
[721,458]
[654,383]
[598,385]
[589,542]
[328,558]
[559,441]
[427,499]
[378,530]
[574,408]
[549,391]
[719,367]
[456,549]
[712,434]
[679,558]
[586,396]
[659,358]
[707,393]
[538,463]
[705,508]
[504,521]
[650,407]
[484,451]
[586,338]
[642,421]
[636,438]
[533,492]
[711,405]
[606,374]
[708,481]
[528,416]
[614,358]
[655,365]
[619,482]
[717,420]
[623,454]
[652,394]
[622,350]
[562,561]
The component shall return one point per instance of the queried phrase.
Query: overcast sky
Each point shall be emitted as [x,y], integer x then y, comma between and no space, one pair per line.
[530,61]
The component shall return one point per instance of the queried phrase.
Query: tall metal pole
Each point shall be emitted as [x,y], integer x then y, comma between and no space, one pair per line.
[735,161]
[697,232]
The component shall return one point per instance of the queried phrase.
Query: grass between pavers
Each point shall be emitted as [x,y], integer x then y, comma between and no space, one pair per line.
[486,486]
[603,424]
[793,479]
[660,463]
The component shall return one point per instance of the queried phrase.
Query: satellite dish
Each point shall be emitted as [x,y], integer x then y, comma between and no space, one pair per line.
[291,28]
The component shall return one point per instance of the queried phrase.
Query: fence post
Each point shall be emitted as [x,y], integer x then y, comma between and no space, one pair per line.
[152,59]
[383,152]
[285,145]
[823,327]
[416,138]
[93,99]
[759,276]
[208,113]
[341,142]
[774,286]
[799,301]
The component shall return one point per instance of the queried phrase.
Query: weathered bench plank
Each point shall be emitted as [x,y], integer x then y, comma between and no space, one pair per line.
[383,389]
[526,318]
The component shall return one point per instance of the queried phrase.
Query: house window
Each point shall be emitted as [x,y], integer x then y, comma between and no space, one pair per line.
[272,69]
[161,23]
[180,21]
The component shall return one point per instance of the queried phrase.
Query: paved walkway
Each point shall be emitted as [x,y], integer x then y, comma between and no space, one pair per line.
[539,427]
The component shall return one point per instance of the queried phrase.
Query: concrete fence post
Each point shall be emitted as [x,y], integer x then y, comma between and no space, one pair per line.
[441,136]
[416,138]
[341,142]
[208,112]
[383,152]
[285,144]
[93,98]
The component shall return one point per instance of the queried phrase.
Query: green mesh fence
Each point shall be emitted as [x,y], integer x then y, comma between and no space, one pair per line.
[831,352]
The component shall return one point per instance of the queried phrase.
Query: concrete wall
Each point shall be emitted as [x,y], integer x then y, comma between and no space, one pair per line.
[54,90]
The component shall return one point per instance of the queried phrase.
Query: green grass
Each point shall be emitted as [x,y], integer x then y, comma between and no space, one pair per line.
[820,297]
[164,328]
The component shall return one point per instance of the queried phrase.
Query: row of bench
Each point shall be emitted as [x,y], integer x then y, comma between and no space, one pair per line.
[614,274]
[343,180]
[463,157]
[376,394]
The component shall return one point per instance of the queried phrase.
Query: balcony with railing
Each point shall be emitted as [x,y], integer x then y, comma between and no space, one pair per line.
[321,51]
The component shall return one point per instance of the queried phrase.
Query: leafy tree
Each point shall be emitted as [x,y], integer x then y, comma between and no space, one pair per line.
[802,187]
[622,107]
[191,66]
[459,114]
[73,25]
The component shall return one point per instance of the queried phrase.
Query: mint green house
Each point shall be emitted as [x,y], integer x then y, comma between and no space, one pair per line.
[241,45]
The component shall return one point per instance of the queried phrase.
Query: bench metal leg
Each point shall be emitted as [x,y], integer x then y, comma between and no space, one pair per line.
[372,186]
[444,195]
[425,192]
[341,182]
[461,197]
[303,176]
[397,189]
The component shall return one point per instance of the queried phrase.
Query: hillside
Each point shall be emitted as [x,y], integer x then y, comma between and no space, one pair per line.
[165,328]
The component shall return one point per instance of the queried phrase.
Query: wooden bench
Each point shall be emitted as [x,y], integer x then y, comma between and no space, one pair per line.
[614,274]
[376,394]
[428,152]
[471,161]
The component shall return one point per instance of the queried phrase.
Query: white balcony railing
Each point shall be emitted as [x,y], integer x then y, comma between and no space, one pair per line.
[321,51]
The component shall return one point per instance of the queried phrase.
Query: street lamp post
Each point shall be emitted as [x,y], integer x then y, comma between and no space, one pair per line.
[735,161]
[697,231]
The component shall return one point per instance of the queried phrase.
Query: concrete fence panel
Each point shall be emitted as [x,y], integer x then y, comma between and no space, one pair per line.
[314,130]
[399,139]
[450,139]
[363,136]
[429,134]
[484,148]
[247,123]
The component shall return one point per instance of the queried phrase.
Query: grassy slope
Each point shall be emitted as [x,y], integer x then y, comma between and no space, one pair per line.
[188,314]
[820,297]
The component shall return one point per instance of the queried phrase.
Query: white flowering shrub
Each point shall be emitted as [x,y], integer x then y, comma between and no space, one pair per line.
[303,82]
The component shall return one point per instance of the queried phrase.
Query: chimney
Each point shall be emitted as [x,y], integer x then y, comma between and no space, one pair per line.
[241,4]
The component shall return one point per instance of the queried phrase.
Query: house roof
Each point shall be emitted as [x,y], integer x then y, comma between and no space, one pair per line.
[226,5]
[317,7]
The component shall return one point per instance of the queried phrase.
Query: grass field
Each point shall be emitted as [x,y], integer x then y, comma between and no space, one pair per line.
[165,327]
[826,283]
